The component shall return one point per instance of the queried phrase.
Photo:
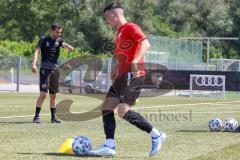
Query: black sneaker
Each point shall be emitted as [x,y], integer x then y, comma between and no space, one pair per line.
[36,120]
[55,120]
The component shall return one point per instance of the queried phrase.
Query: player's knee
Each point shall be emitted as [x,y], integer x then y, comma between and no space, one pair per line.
[122,110]
[43,95]
[53,95]
[110,103]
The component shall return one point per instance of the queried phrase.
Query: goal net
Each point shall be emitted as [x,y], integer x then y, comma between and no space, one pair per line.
[212,86]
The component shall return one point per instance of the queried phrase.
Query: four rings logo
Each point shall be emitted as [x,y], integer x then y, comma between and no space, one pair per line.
[208,81]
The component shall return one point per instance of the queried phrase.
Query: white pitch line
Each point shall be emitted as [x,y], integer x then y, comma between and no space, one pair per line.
[232,104]
[169,112]
[216,112]
[137,108]
[192,104]
[24,116]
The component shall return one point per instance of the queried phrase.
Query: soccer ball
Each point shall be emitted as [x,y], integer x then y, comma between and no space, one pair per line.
[81,145]
[215,124]
[230,124]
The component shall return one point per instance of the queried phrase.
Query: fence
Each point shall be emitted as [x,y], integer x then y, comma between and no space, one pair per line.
[226,64]
[175,54]
[16,75]
[10,69]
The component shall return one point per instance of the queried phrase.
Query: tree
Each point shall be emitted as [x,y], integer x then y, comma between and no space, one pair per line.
[84,25]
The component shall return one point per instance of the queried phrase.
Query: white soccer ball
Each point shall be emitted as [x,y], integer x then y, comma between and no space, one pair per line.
[230,124]
[81,145]
[215,124]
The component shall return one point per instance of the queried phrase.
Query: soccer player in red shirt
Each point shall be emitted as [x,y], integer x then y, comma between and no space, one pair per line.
[128,77]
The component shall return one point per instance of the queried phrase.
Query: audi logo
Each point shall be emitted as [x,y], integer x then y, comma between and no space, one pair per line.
[209,81]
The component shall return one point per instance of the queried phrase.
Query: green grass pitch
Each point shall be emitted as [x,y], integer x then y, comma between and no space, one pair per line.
[188,135]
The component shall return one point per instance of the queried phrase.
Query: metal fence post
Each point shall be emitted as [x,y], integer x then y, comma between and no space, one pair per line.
[80,76]
[19,62]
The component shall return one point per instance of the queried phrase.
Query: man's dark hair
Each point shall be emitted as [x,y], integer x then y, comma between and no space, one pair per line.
[56,26]
[112,6]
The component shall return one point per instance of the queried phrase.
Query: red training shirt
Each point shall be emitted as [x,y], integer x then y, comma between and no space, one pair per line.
[127,46]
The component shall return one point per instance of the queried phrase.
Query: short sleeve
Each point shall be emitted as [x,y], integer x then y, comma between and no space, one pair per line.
[136,33]
[40,41]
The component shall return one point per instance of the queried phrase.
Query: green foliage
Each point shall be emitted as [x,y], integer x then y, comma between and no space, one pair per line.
[65,54]
[216,52]
[26,49]
[85,28]
[103,55]
[5,52]
[162,28]
[20,48]
[235,15]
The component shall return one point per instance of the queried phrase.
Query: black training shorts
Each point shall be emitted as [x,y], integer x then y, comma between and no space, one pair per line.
[49,81]
[127,91]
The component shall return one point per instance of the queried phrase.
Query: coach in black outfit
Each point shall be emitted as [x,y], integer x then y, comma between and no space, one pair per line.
[49,47]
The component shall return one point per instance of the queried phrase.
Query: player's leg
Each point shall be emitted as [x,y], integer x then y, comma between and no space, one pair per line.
[38,108]
[131,94]
[109,124]
[43,86]
[53,90]
[136,119]
[140,122]
[54,118]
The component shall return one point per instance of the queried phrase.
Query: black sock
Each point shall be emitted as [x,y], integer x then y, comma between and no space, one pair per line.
[37,111]
[138,120]
[109,123]
[53,112]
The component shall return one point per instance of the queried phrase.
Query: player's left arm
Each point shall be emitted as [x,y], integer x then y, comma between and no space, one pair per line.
[144,46]
[138,37]
[67,46]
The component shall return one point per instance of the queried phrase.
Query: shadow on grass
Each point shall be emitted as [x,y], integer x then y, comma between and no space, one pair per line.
[69,155]
[133,157]
[61,154]
[58,154]
[54,154]
[15,122]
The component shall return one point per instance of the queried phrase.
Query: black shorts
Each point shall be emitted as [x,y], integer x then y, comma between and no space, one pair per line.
[126,92]
[49,81]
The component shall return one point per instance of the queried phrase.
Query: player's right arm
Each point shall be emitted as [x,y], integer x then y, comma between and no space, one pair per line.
[35,55]
[34,60]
